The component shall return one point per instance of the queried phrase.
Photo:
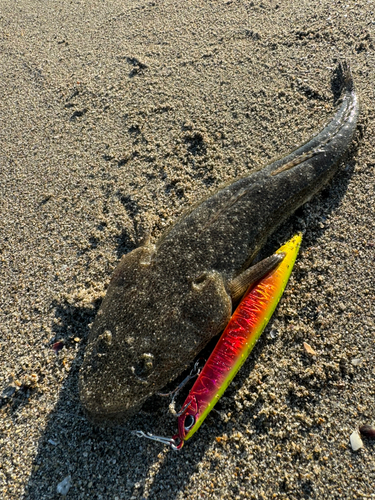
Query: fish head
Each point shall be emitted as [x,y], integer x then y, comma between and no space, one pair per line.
[121,358]
[148,330]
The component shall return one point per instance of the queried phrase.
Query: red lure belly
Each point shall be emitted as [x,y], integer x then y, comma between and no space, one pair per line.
[236,343]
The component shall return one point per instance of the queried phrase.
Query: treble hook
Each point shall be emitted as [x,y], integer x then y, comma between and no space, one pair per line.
[194,373]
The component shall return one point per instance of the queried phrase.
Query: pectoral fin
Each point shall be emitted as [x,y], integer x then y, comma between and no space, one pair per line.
[238,285]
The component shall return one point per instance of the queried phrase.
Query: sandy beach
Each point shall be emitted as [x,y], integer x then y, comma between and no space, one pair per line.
[116,117]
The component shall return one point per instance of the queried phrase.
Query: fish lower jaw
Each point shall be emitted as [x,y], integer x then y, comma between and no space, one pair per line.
[110,417]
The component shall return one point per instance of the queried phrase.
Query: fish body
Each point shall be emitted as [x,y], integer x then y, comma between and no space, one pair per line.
[235,344]
[166,301]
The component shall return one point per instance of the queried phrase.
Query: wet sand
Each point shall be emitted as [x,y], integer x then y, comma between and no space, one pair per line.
[115,117]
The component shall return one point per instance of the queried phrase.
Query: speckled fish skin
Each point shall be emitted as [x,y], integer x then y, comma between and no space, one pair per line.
[165,302]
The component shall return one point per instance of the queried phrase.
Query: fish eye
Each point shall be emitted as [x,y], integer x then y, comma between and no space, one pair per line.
[189,422]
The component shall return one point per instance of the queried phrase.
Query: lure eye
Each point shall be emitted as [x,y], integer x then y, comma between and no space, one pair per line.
[189,422]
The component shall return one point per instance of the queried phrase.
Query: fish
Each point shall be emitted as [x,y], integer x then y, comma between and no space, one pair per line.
[234,346]
[167,300]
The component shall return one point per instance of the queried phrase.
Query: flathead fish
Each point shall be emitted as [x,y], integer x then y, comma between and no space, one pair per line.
[166,301]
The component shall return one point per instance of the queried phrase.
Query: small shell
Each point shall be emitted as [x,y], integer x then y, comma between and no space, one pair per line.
[57,346]
[309,349]
[367,431]
[355,441]
[64,486]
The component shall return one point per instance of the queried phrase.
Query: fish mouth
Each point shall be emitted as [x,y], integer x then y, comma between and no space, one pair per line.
[105,398]
[97,408]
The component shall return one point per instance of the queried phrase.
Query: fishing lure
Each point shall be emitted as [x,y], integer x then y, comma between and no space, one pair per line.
[234,346]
